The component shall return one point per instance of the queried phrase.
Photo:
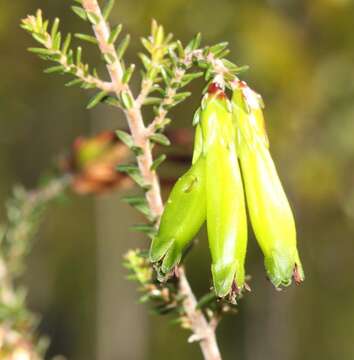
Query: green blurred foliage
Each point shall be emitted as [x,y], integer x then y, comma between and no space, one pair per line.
[301,60]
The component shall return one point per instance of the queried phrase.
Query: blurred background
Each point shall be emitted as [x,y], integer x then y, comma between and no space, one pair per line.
[301,57]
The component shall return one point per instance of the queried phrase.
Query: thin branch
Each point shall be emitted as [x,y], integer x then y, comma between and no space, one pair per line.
[102,32]
[202,330]
[167,100]
[146,87]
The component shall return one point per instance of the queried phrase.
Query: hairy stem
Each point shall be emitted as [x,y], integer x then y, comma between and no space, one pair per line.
[202,330]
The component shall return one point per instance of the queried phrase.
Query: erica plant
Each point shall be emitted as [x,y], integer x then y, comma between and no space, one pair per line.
[231,170]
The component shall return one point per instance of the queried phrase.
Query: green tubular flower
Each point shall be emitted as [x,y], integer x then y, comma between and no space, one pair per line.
[271,216]
[226,215]
[182,218]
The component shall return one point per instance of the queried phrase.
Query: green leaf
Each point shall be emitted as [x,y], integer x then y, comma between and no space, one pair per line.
[125,138]
[57,41]
[114,34]
[128,140]
[242,69]
[122,47]
[128,74]
[160,139]
[55,27]
[194,43]
[139,181]
[80,12]
[41,51]
[109,58]
[96,99]
[133,171]
[41,38]
[152,101]
[163,123]
[203,64]
[113,101]
[147,44]
[86,86]
[70,57]
[145,60]
[158,35]
[127,100]
[108,9]
[181,97]
[165,75]
[134,200]
[128,168]
[39,19]
[78,55]
[137,150]
[186,79]
[217,49]
[66,44]
[55,69]
[88,38]
[223,53]
[173,56]
[233,68]
[180,49]
[148,229]
[209,73]
[158,161]
[93,18]
[74,82]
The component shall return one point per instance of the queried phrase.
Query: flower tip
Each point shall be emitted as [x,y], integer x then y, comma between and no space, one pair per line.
[171,259]
[281,281]
[223,279]
[282,269]
[157,250]
[215,89]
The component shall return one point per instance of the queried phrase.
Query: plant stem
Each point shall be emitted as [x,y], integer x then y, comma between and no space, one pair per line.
[202,330]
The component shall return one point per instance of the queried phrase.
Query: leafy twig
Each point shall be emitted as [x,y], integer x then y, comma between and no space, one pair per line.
[18,324]
[68,60]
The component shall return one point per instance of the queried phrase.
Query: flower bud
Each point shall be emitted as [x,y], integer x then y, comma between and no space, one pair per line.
[182,218]
[226,215]
[270,213]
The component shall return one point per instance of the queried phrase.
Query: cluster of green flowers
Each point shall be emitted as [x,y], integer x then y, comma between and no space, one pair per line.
[231,166]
